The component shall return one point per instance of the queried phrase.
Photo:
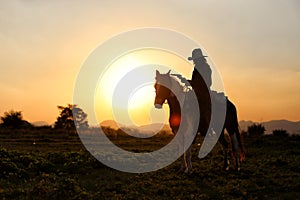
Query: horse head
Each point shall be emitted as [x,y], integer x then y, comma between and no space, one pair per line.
[162,88]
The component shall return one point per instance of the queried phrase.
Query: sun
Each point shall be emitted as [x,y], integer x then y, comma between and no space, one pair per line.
[142,97]
[141,109]
[125,90]
[114,73]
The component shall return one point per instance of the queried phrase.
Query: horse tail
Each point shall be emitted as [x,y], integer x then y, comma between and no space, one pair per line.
[237,130]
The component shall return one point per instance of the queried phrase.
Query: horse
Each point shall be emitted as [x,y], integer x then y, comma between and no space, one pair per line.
[165,85]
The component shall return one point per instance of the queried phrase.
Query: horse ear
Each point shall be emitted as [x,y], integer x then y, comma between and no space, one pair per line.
[157,73]
[169,72]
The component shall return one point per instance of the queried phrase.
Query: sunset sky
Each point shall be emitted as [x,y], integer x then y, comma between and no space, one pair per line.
[255,46]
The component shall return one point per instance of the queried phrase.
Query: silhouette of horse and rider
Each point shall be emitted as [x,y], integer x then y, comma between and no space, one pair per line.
[201,83]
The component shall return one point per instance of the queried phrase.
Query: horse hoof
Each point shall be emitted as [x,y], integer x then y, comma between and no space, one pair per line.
[180,171]
[226,168]
[237,169]
[226,165]
[189,173]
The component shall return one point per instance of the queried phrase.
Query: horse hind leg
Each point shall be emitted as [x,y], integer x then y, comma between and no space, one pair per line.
[235,146]
[235,152]
[225,145]
[232,126]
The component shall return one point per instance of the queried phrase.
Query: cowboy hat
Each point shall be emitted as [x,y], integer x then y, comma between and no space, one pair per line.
[197,53]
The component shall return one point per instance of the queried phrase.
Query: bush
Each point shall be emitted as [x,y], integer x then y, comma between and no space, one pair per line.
[256,130]
[14,120]
[280,132]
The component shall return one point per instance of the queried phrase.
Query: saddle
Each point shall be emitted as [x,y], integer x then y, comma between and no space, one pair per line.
[218,98]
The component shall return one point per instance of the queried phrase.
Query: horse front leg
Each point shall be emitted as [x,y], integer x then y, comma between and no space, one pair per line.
[183,166]
[188,160]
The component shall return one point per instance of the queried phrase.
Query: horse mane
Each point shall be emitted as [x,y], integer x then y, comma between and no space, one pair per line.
[177,80]
[182,81]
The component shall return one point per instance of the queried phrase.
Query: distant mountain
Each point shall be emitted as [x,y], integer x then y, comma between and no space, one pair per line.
[146,130]
[141,131]
[40,123]
[155,127]
[244,124]
[110,123]
[289,126]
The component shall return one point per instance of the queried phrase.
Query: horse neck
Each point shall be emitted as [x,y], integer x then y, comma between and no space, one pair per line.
[174,104]
[175,100]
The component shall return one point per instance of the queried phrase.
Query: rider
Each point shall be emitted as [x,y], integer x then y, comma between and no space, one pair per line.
[201,70]
[201,83]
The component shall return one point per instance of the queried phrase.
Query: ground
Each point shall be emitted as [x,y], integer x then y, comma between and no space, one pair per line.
[53,164]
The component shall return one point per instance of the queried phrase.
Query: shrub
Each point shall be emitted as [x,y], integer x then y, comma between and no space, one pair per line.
[280,132]
[256,130]
[14,119]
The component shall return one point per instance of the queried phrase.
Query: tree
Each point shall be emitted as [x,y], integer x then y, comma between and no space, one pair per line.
[256,130]
[69,115]
[14,119]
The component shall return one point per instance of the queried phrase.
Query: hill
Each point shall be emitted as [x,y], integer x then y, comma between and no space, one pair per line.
[138,131]
[289,126]
[40,123]
[110,123]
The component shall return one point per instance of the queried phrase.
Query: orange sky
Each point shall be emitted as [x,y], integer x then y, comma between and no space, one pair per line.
[255,46]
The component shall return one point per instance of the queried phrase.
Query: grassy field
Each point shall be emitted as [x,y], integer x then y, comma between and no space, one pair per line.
[49,164]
